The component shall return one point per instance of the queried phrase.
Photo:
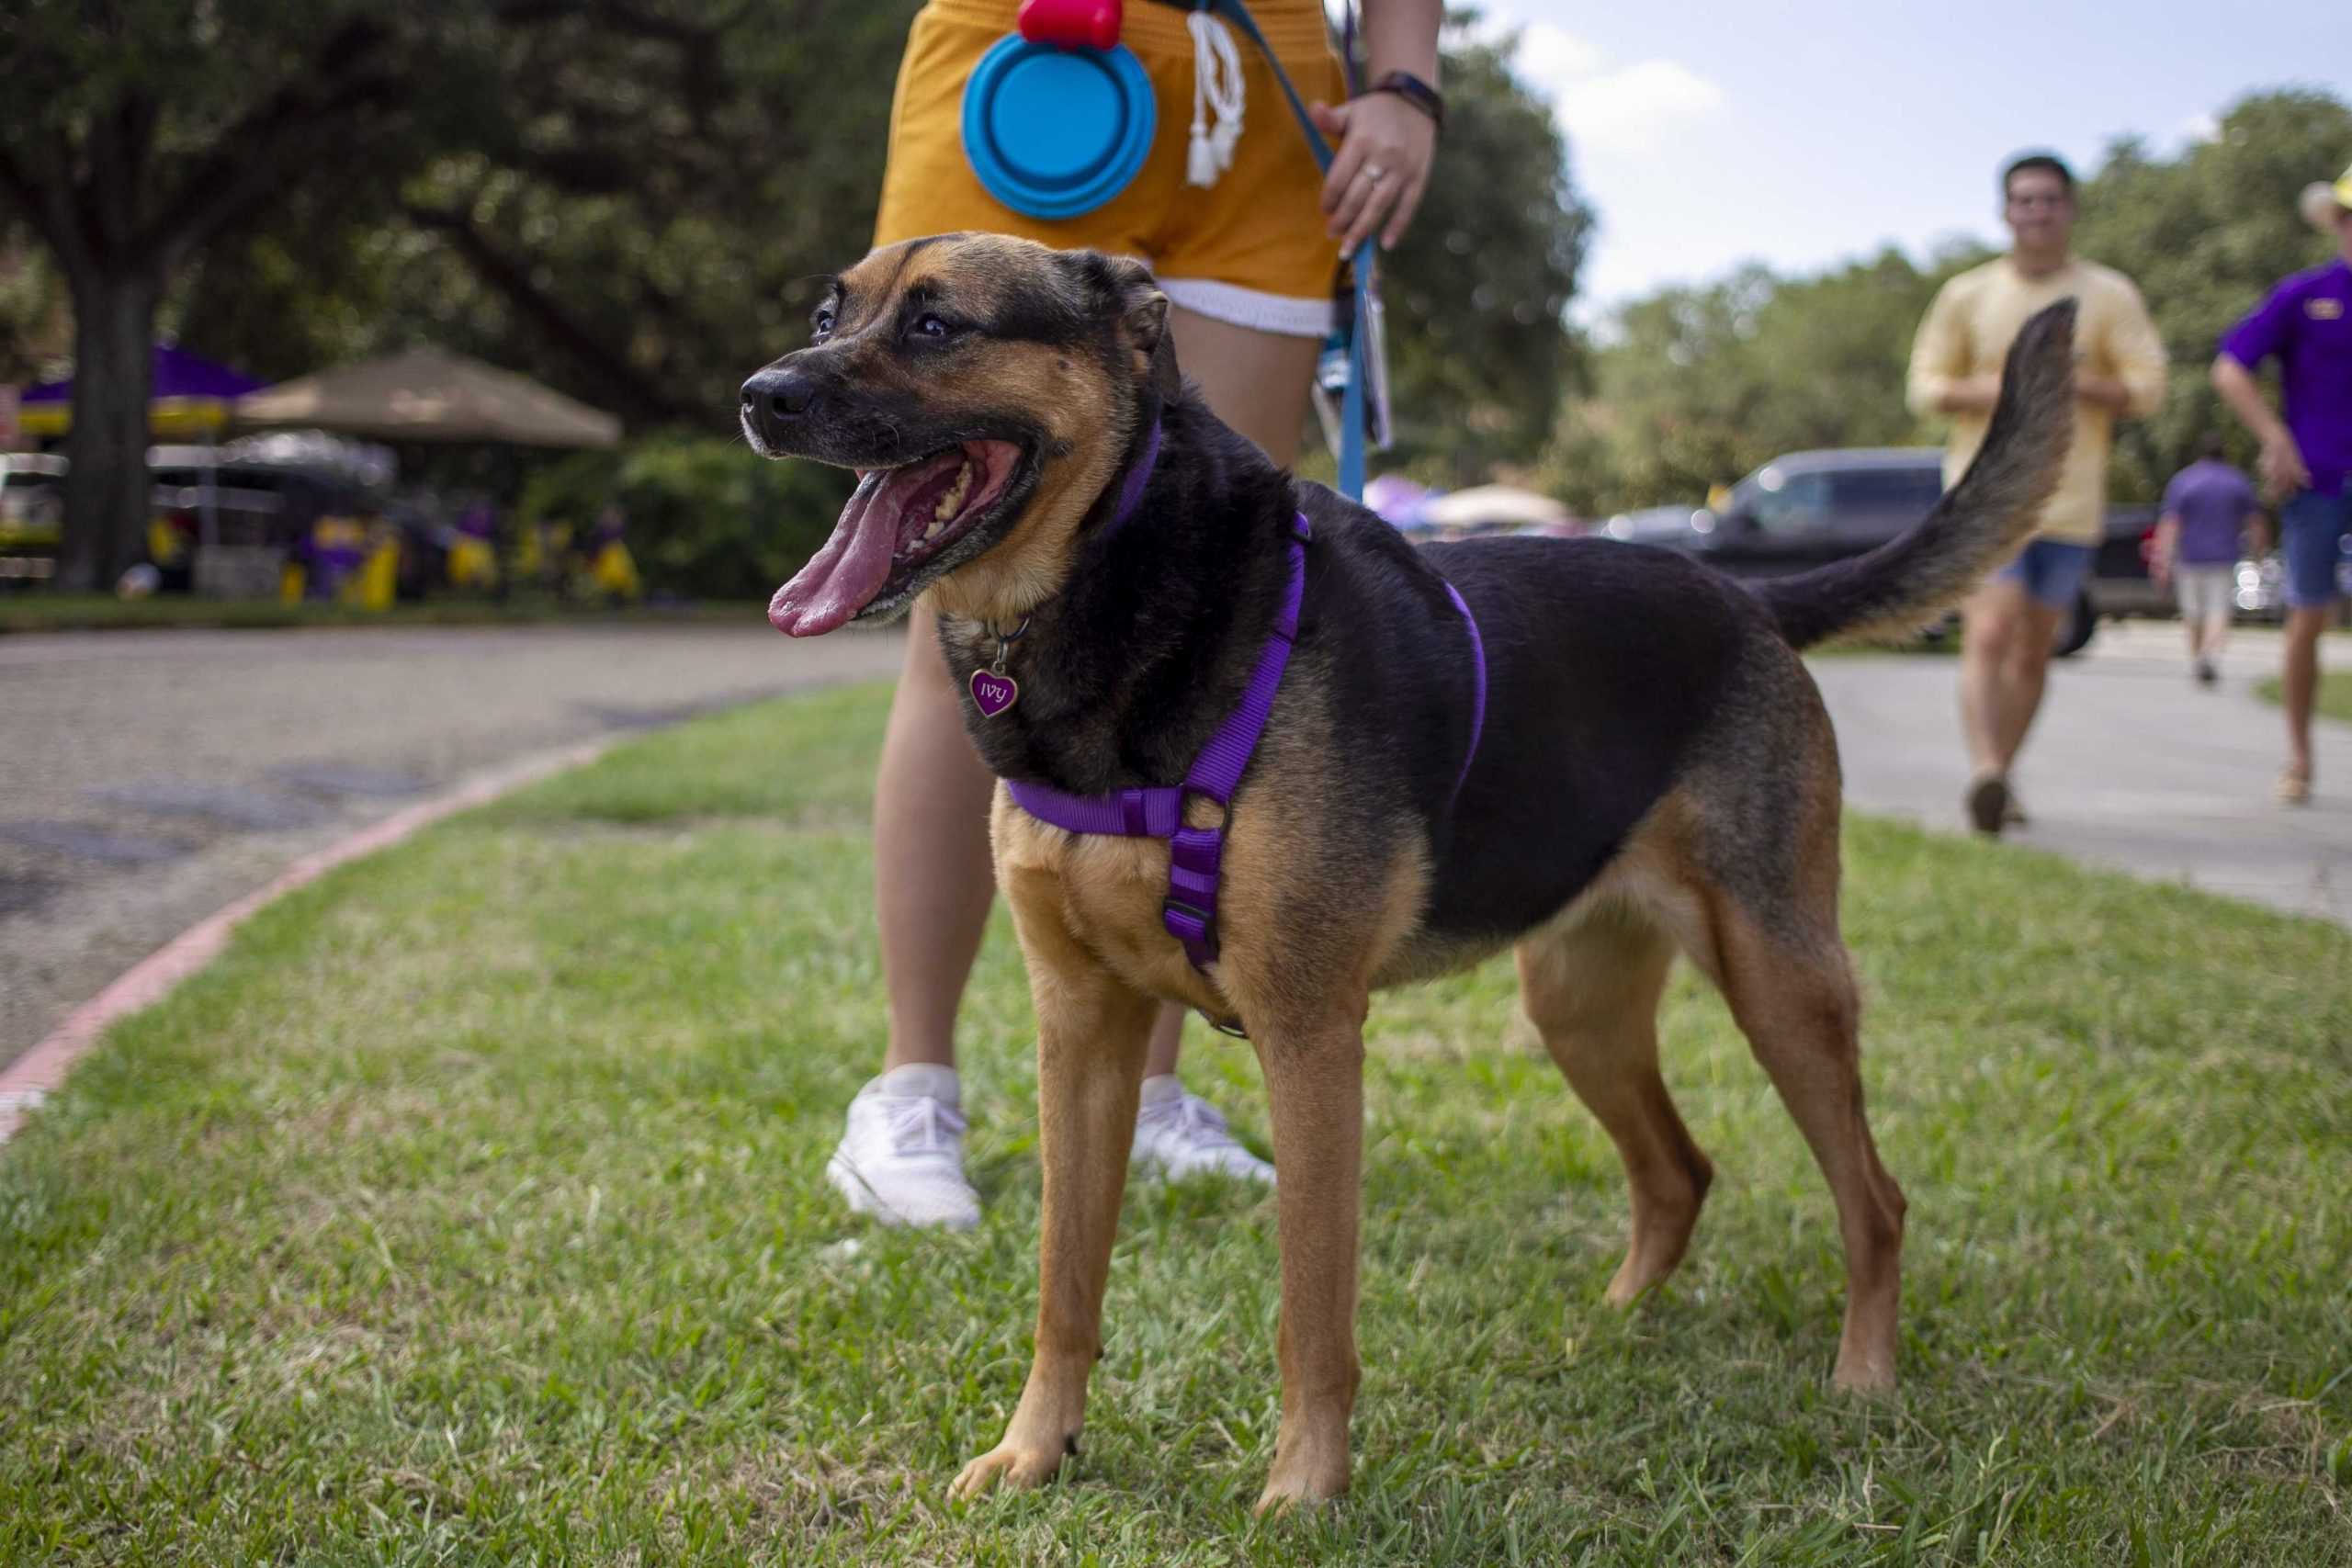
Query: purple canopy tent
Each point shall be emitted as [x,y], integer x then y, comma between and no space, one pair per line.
[188,396]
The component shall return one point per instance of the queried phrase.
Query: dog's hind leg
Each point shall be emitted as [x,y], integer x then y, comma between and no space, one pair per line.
[1092,1030]
[1747,879]
[1591,988]
[1792,990]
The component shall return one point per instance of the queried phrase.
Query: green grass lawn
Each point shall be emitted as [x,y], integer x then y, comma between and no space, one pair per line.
[2334,693]
[470,1210]
[42,612]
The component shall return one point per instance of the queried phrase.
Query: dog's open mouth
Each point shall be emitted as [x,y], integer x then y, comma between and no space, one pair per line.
[897,521]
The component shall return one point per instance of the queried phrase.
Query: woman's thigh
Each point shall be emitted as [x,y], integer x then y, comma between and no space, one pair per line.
[1256,381]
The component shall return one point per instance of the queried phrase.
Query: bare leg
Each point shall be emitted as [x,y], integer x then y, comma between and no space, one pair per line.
[1315,1082]
[2299,684]
[2216,633]
[1256,381]
[1988,628]
[932,877]
[1592,993]
[2025,678]
[2004,663]
[1090,1067]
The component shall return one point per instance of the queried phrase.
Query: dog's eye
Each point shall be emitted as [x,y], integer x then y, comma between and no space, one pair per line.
[932,326]
[823,323]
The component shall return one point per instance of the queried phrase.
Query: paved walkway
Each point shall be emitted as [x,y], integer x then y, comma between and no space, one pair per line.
[149,778]
[2131,765]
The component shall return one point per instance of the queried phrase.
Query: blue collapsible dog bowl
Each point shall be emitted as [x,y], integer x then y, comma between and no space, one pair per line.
[1055,132]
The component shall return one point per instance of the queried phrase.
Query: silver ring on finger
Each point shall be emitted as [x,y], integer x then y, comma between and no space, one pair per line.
[1373,173]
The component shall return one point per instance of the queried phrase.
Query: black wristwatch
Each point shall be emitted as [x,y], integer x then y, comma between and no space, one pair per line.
[1414,91]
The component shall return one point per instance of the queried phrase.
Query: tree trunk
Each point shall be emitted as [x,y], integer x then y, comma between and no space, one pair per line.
[105,493]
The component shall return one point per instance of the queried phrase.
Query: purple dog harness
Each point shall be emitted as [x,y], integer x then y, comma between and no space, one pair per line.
[1195,854]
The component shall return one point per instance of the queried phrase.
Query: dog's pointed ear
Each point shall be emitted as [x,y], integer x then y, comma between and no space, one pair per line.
[1128,293]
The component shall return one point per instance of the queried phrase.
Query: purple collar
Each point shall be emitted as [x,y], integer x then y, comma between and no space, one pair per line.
[1131,488]
[1195,854]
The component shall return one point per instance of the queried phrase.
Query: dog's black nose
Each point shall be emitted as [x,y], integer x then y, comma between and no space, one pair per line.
[777,399]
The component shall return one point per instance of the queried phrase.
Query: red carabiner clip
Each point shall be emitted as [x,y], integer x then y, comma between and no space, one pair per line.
[1072,24]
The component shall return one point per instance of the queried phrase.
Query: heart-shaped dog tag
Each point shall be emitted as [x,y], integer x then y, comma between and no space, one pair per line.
[993,693]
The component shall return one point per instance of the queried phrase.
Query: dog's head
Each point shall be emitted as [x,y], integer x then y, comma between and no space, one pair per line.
[984,388]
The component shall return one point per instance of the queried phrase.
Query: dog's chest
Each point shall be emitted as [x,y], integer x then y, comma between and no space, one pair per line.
[1106,893]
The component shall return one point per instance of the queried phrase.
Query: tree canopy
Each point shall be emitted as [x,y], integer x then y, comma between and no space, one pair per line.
[631,200]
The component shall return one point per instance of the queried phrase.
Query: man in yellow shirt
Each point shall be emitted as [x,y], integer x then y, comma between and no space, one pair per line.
[2010,623]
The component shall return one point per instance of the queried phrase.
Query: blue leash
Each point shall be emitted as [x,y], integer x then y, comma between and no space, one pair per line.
[1351,409]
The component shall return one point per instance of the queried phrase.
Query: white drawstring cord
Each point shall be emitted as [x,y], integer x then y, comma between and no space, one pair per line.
[1216,84]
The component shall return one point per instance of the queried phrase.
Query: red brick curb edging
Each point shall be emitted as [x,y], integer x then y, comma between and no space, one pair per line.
[38,1073]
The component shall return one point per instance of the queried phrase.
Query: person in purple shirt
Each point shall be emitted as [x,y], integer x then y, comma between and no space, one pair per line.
[2307,455]
[2208,508]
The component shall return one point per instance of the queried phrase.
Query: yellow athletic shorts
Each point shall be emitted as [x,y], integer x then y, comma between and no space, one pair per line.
[1249,250]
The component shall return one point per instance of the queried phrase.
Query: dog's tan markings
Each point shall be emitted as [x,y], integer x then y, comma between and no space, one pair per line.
[981,278]
[1592,989]
[1298,975]
[1092,1030]
[1315,1089]
[1034,560]
[1783,968]
[1797,1005]
[1590,979]
[972,278]
[1109,891]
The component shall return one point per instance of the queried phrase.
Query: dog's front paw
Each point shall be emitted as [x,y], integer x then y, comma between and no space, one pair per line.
[1308,1479]
[1021,1466]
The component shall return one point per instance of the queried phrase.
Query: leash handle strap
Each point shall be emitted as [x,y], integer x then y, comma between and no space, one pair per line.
[1351,409]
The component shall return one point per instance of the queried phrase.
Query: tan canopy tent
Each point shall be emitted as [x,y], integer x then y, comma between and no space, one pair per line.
[430,394]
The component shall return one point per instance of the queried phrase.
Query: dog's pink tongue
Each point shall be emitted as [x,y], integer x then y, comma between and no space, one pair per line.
[842,577]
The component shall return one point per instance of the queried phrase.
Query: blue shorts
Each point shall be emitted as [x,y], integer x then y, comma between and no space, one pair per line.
[2312,528]
[2050,571]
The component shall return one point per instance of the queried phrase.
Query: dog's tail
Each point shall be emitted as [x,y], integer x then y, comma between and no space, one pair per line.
[1899,585]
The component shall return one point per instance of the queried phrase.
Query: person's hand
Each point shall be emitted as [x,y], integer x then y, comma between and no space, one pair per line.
[2102,392]
[1383,168]
[2282,470]
[2160,568]
[1972,394]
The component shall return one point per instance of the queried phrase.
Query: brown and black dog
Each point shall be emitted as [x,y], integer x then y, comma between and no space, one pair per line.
[1657,775]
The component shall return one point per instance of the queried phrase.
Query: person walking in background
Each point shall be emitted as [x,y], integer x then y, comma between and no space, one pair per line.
[2009,625]
[2306,462]
[2208,509]
[1247,253]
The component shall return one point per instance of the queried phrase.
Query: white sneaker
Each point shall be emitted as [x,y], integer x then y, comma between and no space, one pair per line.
[902,1158]
[1179,1134]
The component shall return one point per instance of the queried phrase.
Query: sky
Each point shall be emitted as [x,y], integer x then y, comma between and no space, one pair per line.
[1804,133]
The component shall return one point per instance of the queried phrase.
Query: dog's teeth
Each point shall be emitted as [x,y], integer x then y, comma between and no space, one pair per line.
[953,500]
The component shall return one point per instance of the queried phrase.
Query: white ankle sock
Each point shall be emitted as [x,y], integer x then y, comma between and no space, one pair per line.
[920,1078]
